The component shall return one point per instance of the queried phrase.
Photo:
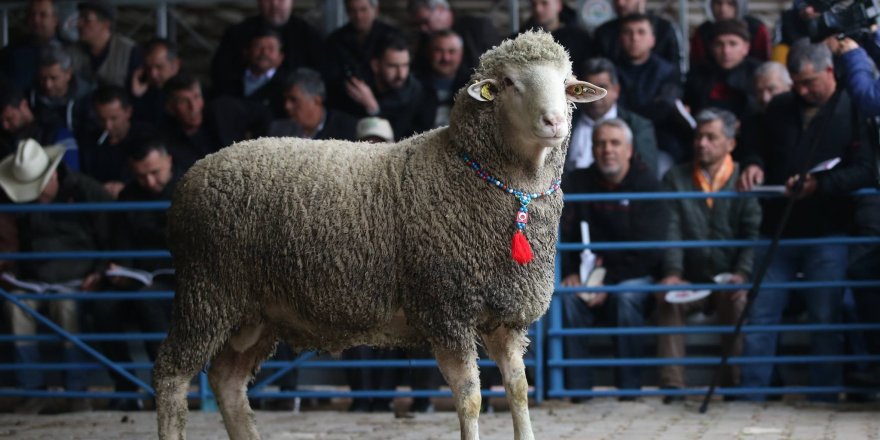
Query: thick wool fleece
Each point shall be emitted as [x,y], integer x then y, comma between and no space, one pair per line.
[325,243]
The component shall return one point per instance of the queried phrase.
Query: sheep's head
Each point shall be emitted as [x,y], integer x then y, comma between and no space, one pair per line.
[526,87]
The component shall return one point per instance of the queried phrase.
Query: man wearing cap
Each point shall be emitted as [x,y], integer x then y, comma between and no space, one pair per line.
[308,116]
[35,174]
[112,58]
[374,130]
[727,82]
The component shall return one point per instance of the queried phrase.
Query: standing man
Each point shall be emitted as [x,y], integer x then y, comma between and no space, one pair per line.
[712,170]
[816,111]
[112,58]
[613,171]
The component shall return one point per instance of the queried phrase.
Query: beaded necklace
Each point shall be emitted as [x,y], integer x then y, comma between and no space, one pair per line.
[520,249]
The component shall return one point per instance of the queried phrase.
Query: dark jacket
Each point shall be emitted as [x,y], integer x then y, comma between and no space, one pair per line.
[571,36]
[349,57]
[106,162]
[701,41]
[270,94]
[649,89]
[302,45]
[74,111]
[710,86]
[337,125]
[410,110]
[692,219]
[143,230]
[607,38]
[73,231]
[226,120]
[478,35]
[150,107]
[781,151]
[619,220]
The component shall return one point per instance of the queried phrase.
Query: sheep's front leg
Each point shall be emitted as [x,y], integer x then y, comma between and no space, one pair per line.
[460,371]
[506,348]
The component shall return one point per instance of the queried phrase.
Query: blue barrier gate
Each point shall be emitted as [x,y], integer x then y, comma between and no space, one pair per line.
[554,363]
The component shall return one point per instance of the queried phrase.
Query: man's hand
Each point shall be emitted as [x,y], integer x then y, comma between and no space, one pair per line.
[669,280]
[360,92]
[114,188]
[138,87]
[737,295]
[91,282]
[807,189]
[592,299]
[842,46]
[751,176]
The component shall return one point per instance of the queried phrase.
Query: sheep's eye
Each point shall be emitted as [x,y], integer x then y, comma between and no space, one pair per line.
[507,81]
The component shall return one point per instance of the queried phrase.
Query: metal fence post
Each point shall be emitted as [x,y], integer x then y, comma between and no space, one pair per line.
[556,373]
[209,403]
[162,20]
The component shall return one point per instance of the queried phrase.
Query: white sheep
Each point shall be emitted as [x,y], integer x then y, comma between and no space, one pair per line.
[331,244]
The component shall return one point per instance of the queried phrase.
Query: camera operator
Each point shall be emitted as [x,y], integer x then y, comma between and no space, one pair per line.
[858,70]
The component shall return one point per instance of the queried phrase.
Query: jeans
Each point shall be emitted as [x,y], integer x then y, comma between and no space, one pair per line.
[624,309]
[817,263]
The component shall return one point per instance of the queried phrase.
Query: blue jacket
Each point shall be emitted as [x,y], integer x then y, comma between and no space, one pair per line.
[859,76]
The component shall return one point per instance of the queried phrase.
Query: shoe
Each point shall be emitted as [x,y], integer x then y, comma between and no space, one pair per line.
[584,399]
[627,398]
[125,405]
[359,406]
[381,406]
[79,405]
[32,405]
[422,405]
[672,398]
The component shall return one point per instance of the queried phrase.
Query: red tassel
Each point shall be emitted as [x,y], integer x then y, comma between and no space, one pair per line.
[521,251]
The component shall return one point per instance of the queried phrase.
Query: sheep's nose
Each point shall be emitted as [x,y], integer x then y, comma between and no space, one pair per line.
[552,119]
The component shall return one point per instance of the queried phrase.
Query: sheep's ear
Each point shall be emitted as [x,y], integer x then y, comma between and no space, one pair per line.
[582,91]
[484,90]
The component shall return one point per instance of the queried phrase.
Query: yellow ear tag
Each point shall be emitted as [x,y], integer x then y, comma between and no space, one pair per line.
[579,90]
[486,92]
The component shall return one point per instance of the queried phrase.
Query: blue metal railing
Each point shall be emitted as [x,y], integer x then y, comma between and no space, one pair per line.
[552,364]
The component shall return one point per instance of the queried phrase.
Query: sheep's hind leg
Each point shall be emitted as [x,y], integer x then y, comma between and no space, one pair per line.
[182,354]
[506,348]
[230,372]
[460,371]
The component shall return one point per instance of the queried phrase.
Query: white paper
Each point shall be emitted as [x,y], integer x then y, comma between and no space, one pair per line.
[40,287]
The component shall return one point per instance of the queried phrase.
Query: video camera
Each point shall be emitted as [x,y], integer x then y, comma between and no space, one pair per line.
[842,17]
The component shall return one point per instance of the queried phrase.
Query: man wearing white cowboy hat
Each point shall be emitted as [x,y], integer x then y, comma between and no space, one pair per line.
[33,174]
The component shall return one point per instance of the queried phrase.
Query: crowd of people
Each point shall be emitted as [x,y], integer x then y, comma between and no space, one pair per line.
[107,118]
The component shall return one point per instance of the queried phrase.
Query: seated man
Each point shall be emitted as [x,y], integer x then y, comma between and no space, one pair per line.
[154,180]
[721,10]
[161,63]
[103,152]
[601,72]
[394,94]
[612,172]
[478,34]
[18,123]
[713,170]
[556,17]
[445,72]
[194,129]
[262,79]
[307,116]
[667,44]
[727,82]
[62,97]
[35,174]
[111,57]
